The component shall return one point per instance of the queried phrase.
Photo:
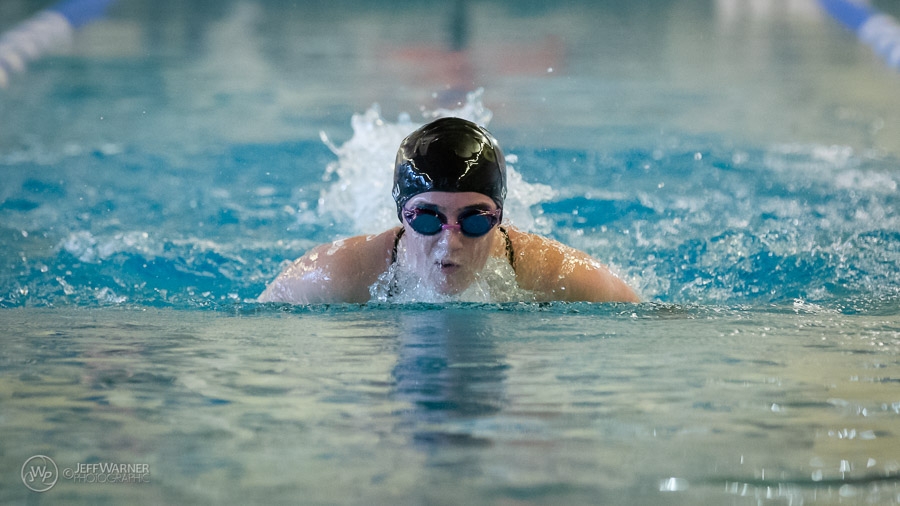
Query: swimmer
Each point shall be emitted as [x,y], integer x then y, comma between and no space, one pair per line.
[449,187]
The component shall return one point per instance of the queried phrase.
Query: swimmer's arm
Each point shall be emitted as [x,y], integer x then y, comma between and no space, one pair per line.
[308,280]
[556,272]
[331,273]
[582,278]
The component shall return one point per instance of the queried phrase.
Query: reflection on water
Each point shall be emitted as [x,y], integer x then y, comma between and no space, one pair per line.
[466,403]
[448,369]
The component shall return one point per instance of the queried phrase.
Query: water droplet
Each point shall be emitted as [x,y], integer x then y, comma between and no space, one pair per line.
[845,466]
[673,485]
[847,491]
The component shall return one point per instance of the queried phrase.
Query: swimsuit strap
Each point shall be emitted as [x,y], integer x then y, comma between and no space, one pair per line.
[396,245]
[510,253]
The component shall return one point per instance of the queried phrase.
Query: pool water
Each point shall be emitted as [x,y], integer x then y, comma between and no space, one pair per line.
[735,162]
[465,404]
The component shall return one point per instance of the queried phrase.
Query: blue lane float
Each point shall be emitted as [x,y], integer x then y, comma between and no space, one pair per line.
[47,31]
[873,28]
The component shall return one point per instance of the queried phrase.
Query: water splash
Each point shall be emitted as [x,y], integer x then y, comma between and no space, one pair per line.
[496,283]
[360,193]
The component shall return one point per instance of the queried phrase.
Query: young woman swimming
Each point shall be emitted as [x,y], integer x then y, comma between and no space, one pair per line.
[449,187]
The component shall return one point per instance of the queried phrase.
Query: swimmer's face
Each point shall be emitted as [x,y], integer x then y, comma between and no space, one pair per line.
[449,260]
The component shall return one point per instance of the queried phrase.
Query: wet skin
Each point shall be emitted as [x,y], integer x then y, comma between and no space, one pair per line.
[446,262]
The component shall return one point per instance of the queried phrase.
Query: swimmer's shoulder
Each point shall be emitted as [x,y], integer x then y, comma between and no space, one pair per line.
[358,254]
[536,257]
[560,272]
[340,271]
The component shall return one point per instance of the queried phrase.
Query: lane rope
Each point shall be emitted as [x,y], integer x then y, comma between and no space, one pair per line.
[873,28]
[47,31]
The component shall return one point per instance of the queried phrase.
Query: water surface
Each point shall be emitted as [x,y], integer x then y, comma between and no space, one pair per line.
[621,404]
[736,162]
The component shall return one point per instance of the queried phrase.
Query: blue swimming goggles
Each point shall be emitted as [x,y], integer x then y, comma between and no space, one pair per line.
[472,223]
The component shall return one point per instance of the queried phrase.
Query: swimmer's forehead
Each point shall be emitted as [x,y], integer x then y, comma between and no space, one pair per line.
[452,201]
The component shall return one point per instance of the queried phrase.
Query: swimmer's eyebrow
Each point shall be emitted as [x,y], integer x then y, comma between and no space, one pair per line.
[476,207]
[428,207]
[433,207]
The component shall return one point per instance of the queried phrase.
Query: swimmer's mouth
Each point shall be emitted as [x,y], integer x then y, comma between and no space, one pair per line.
[446,265]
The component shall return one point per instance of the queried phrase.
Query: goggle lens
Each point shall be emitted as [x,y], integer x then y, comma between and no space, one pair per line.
[425,223]
[474,223]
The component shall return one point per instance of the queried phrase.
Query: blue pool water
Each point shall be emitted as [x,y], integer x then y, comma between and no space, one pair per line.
[685,220]
[735,162]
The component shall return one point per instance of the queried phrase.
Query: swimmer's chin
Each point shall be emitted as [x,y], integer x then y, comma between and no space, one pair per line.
[452,281]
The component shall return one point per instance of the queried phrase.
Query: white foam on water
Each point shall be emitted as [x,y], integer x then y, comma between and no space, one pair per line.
[89,248]
[360,194]
[496,282]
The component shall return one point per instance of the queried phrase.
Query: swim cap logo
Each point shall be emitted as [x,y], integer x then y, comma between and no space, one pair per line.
[39,473]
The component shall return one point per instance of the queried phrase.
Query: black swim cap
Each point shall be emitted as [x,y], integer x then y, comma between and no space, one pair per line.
[449,155]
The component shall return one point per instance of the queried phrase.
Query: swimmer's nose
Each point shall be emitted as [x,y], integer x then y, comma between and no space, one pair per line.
[451,236]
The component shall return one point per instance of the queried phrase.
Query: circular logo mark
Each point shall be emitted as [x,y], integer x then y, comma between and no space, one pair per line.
[39,473]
